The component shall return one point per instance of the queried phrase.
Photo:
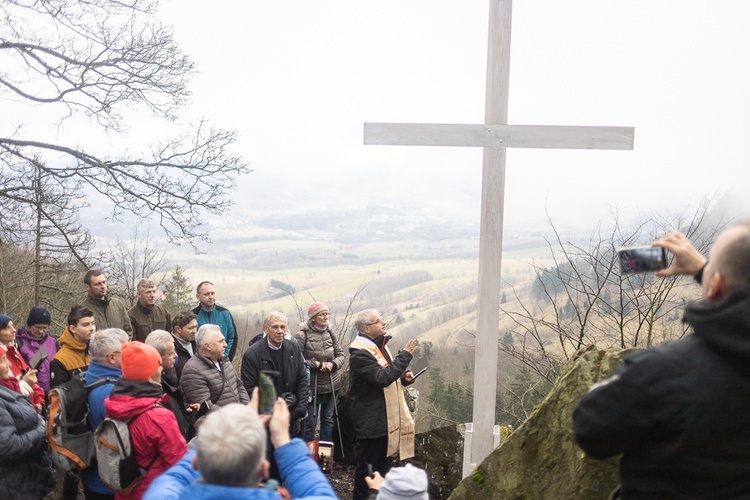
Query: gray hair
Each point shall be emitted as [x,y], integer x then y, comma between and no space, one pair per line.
[231,458]
[143,284]
[363,318]
[105,342]
[158,339]
[204,333]
[275,315]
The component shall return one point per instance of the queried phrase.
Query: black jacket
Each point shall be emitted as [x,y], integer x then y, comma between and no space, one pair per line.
[182,356]
[679,412]
[25,465]
[293,376]
[366,382]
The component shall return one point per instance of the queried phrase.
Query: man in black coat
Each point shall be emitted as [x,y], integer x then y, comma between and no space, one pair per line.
[184,326]
[281,356]
[382,422]
[680,412]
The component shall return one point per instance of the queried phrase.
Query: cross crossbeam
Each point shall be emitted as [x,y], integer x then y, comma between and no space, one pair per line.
[499,136]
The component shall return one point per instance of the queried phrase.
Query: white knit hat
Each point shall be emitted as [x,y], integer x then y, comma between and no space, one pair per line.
[404,483]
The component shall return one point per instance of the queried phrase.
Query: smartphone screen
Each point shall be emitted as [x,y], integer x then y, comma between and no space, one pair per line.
[266,394]
[646,259]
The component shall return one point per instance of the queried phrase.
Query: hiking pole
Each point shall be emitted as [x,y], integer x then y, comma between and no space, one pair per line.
[336,413]
[315,403]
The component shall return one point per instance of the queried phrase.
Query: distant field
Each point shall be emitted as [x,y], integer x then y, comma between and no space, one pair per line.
[447,298]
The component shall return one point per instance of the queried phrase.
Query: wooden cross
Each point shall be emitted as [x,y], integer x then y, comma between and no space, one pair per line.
[494,136]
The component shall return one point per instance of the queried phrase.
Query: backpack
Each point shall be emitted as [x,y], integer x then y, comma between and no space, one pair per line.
[70,438]
[115,456]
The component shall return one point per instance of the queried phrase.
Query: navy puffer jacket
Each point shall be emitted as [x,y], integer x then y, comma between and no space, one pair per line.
[25,465]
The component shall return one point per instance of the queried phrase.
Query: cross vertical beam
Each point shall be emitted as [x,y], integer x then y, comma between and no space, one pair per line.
[491,232]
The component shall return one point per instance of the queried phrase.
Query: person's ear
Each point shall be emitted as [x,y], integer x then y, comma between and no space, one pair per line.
[265,470]
[716,287]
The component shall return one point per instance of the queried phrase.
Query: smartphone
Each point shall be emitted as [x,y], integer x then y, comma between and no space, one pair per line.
[646,259]
[325,456]
[39,362]
[266,394]
[36,361]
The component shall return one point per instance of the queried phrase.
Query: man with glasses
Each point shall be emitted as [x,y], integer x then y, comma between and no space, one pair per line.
[382,422]
[104,369]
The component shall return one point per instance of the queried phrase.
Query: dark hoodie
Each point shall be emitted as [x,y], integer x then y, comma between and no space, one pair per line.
[679,412]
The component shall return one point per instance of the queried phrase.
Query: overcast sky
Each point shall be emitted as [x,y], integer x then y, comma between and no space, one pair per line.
[297,79]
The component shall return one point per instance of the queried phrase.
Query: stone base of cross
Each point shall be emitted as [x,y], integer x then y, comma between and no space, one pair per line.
[494,136]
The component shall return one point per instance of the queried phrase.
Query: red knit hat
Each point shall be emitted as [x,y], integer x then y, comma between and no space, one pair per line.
[315,308]
[139,361]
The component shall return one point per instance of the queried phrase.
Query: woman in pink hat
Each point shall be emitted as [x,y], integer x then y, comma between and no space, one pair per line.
[325,357]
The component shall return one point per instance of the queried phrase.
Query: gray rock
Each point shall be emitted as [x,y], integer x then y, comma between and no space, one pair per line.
[540,460]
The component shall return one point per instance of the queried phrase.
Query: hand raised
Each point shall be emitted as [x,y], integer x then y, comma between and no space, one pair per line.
[687,260]
[411,346]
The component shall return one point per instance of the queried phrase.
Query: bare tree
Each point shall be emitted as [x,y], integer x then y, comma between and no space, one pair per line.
[585,299]
[130,262]
[44,243]
[95,59]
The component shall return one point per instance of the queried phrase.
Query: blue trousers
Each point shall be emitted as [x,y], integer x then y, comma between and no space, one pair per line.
[326,421]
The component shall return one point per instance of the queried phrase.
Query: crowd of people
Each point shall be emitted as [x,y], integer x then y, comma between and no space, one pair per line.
[169,376]
[675,412]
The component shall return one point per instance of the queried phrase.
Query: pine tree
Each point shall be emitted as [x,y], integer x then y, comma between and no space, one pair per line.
[178,292]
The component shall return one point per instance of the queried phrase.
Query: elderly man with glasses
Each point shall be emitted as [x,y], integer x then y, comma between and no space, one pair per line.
[382,422]
[104,370]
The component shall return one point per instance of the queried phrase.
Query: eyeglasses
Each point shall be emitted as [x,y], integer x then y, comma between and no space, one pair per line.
[377,321]
[323,314]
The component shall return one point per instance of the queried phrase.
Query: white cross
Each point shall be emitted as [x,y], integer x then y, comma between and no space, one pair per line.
[494,136]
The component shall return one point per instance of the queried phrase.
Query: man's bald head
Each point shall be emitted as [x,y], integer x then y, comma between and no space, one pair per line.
[728,265]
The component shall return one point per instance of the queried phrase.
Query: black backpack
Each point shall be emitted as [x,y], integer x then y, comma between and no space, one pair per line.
[68,433]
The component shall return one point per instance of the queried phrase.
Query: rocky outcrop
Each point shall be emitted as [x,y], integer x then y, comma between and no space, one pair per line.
[440,452]
[540,460]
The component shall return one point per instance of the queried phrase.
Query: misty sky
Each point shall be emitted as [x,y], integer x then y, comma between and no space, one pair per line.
[297,80]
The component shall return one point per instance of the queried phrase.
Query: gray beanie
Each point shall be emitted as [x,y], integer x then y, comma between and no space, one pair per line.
[403,483]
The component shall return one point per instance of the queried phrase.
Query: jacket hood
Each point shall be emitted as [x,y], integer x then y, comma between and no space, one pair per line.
[724,325]
[23,333]
[68,340]
[130,398]
[98,370]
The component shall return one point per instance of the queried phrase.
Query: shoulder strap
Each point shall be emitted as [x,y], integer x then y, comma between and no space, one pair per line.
[99,382]
[132,449]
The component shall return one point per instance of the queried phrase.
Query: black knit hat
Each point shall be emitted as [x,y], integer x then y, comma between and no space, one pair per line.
[39,316]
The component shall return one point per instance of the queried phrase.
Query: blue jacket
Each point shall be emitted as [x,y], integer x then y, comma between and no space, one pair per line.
[300,473]
[220,316]
[96,415]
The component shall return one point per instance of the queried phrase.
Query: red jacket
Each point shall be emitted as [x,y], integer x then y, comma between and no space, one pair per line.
[18,366]
[153,429]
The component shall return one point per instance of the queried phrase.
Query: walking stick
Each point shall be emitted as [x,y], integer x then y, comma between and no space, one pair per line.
[315,403]
[336,414]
